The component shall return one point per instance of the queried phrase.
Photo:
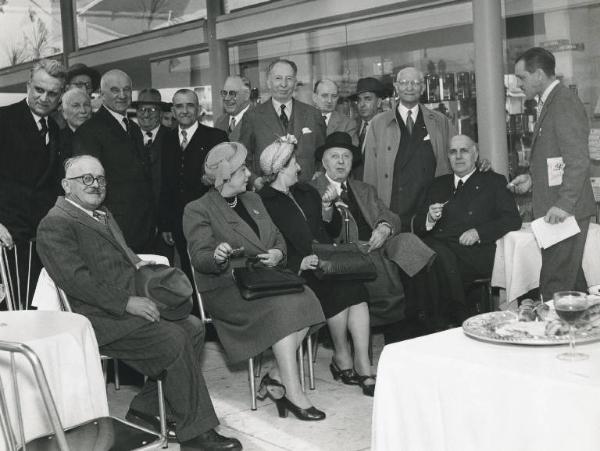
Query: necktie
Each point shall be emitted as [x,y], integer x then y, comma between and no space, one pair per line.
[99,216]
[149,141]
[325,118]
[283,118]
[344,193]
[231,124]
[44,130]
[363,133]
[184,141]
[410,123]
[459,185]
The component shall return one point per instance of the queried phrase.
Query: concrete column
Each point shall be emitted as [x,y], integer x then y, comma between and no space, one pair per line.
[69,31]
[489,72]
[217,51]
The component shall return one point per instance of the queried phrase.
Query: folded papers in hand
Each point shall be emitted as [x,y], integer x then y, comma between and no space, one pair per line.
[547,234]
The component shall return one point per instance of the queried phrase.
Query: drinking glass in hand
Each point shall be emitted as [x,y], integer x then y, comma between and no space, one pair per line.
[570,306]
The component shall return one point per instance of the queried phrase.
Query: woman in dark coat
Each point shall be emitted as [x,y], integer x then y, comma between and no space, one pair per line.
[222,224]
[303,218]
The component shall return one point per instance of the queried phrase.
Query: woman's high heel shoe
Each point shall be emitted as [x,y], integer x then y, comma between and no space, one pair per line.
[309,414]
[368,390]
[348,377]
[271,388]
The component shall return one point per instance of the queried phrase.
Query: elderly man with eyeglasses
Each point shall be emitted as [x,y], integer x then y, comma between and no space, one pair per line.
[236,101]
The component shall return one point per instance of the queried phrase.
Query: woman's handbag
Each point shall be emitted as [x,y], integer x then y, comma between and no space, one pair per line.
[256,281]
[343,262]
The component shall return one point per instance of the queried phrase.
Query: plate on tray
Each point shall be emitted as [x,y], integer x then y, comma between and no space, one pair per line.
[502,327]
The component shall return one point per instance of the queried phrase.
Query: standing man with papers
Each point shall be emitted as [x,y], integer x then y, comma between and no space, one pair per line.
[559,170]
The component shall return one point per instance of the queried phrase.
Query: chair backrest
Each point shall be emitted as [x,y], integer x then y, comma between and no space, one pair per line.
[15,293]
[10,438]
[203,316]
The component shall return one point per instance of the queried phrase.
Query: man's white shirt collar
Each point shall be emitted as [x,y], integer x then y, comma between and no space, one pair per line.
[238,117]
[464,178]
[336,185]
[327,116]
[152,132]
[189,131]
[548,90]
[36,117]
[288,107]
[85,210]
[404,112]
[118,116]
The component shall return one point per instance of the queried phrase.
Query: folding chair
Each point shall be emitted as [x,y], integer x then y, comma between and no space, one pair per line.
[11,281]
[252,374]
[122,434]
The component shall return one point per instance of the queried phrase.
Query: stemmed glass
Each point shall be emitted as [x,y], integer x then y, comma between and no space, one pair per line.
[570,306]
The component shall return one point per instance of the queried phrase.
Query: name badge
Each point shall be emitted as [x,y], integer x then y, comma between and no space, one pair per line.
[556,168]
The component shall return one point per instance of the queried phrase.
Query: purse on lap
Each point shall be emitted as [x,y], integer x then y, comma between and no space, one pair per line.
[256,281]
[343,262]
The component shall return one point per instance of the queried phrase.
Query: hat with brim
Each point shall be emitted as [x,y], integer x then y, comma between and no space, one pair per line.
[168,287]
[343,140]
[82,69]
[368,84]
[150,96]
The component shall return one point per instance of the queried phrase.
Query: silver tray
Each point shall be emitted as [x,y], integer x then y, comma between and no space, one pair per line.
[495,327]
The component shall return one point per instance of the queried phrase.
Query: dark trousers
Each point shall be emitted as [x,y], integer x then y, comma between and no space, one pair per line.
[23,285]
[174,346]
[561,264]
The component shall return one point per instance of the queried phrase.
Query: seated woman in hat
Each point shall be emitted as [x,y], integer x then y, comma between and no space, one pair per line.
[224,223]
[298,211]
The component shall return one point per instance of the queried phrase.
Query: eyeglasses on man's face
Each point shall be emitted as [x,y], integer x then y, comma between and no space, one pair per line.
[411,83]
[82,84]
[230,93]
[148,110]
[89,179]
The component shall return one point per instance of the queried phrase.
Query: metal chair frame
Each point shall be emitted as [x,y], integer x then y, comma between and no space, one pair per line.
[255,373]
[10,439]
[14,298]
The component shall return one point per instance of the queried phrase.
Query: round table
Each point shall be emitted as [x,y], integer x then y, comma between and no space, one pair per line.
[67,347]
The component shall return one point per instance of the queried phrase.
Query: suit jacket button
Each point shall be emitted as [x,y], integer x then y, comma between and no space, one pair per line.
[470,213]
[389,148]
[386,176]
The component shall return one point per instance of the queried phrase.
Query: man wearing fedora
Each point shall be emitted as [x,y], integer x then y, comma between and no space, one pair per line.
[84,251]
[368,97]
[374,227]
[83,77]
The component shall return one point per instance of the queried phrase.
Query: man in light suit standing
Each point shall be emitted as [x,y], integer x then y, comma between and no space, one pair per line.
[559,168]
[84,251]
[325,98]
[282,115]
[236,101]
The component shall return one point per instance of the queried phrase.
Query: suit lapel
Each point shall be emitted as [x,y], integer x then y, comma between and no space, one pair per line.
[361,201]
[271,119]
[238,225]
[545,108]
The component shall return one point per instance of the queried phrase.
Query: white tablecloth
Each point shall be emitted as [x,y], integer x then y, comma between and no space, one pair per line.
[67,347]
[518,261]
[448,392]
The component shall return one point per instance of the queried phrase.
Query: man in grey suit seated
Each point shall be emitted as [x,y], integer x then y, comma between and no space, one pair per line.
[376,229]
[84,251]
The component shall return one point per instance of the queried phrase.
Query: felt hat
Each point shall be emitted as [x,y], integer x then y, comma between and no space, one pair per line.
[168,287]
[82,69]
[368,84]
[339,139]
[149,96]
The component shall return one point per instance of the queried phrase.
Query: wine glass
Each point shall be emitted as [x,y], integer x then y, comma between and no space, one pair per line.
[570,306]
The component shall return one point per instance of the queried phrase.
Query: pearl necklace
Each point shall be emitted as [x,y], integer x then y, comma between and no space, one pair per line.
[232,204]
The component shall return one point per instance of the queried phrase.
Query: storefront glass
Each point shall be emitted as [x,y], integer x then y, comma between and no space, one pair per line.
[106,20]
[29,30]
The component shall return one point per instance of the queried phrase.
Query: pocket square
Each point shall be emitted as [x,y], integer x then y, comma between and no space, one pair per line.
[427,138]
[306,130]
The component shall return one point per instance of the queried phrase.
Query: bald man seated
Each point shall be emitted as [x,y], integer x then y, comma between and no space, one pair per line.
[464,214]
[84,251]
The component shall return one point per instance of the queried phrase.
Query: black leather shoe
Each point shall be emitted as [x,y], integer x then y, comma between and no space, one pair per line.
[368,390]
[310,414]
[211,441]
[348,377]
[151,422]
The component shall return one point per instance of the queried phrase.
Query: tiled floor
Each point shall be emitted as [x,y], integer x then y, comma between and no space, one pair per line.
[347,427]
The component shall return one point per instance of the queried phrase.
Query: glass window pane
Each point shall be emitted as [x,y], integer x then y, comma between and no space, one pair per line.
[106,20]
[29,30]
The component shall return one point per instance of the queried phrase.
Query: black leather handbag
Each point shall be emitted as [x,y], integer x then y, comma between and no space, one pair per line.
[256,281]
[343,262]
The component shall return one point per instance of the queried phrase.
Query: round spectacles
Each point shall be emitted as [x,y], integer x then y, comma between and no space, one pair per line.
[147,110]
[82,84]
[230,93]
[411,83]
[89,179]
